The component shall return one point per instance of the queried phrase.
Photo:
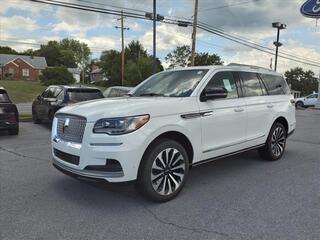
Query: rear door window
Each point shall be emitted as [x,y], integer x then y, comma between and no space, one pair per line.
[276,85]
[79,95]
[251,84]
[4,96]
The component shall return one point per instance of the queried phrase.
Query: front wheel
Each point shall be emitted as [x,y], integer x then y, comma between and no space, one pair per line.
[275,144]
[299,105]
[164,170]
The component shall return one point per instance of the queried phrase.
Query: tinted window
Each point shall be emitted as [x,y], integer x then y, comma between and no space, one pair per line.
[251,84]
[224,80]
[114,92]
[313,96]
[276,85]
[4,97]
[79,95]
[49,93]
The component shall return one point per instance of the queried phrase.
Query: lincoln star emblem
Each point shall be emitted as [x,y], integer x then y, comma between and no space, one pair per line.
[65,124]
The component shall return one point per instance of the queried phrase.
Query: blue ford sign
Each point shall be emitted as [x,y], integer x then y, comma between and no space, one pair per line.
[311,8]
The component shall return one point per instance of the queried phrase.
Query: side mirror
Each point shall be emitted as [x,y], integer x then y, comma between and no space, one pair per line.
[39,98]
[213,93]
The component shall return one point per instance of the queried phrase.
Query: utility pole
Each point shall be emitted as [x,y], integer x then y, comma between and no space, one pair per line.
[279,26]
[318,103]
[154,36]
[194,31]
[83,65]
[122,46]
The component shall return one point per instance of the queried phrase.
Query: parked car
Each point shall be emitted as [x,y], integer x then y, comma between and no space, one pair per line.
[116,91]
[55,97]
[9,116]
[308,101]
[172,121]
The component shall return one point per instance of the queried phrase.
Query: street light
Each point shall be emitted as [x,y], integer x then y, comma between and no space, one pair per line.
[279,26]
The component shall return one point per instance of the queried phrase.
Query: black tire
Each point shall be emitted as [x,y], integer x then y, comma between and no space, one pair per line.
[35,118]
[275,144]
[300,104]
[178,164]
[14,131]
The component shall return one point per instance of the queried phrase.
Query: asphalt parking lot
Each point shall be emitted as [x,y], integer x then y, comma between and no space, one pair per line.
[241,197]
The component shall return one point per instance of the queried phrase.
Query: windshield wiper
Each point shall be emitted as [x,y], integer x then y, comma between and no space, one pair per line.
[151,94]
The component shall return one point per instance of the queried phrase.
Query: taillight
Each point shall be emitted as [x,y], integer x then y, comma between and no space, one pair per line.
[12,118]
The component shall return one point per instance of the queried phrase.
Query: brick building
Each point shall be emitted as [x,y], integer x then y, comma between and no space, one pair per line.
[19,67]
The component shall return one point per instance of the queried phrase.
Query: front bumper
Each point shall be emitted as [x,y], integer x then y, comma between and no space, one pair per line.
[96,150]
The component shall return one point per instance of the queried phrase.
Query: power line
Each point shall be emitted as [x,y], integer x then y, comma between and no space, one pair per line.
[228,5]
[207,28]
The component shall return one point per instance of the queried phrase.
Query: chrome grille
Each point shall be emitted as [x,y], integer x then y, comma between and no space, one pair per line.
[70,128]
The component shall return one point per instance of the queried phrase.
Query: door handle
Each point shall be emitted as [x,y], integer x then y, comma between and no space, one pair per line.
[239,109]
[270,106]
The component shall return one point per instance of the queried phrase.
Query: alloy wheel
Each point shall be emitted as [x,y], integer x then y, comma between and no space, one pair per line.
[168,171]
[278,141]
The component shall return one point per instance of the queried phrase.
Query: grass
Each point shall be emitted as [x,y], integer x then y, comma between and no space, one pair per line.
[27,91]
[25,117]
[22,91]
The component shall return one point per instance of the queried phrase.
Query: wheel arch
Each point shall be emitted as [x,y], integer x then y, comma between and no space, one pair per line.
[283,121]
[176,136]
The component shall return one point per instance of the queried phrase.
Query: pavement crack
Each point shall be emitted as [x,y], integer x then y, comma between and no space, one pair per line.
[194,230]
[19,154]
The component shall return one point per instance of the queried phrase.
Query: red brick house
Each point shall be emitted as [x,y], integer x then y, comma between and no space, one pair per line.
[19,67]
[97,74]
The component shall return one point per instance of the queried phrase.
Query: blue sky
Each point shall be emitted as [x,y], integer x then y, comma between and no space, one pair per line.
[37,23]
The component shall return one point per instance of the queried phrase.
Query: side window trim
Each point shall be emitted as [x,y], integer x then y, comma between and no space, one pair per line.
[263,85]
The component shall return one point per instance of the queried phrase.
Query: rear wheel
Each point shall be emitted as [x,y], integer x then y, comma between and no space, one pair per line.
[163,170]
[300,105]
[276,143]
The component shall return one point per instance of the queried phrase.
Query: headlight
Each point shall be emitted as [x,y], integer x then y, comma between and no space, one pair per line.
[118,126]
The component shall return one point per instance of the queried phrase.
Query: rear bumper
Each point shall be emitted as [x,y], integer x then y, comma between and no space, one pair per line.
[6,125]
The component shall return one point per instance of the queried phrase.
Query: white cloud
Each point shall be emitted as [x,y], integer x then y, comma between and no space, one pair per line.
[254,57]
[18,22]
[168,37]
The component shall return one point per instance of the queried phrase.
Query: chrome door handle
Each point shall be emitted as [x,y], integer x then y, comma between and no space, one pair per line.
[270,106]
[238,109]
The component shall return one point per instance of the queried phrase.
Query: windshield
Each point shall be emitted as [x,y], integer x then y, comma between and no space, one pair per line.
[4,97]
[171,83]
[79,95]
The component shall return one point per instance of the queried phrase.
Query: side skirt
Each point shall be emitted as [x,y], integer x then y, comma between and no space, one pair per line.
[226,155]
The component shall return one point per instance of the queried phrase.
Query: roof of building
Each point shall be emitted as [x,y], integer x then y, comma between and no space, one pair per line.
[97,70]
[74,70]
[36,62]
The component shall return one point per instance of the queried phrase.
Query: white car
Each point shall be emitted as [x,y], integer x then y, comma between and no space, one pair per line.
[308,101]
[172,121]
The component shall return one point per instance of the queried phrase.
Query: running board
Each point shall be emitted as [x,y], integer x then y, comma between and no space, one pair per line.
[226,155]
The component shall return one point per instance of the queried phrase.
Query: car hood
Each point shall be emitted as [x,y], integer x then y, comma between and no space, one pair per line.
[130,106]
[299,99]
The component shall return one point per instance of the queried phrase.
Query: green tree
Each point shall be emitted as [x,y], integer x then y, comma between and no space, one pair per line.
[7,50]
[205,59]
[138,65]
[68,52]
[56,76]
[300,80]
[181,57]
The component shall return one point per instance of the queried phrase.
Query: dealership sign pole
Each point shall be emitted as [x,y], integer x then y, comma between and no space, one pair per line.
[311,9]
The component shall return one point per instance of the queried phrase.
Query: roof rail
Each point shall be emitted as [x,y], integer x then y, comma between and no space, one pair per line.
[250,66]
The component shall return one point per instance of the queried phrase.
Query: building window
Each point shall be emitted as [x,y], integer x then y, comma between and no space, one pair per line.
[25,72]
[11,71]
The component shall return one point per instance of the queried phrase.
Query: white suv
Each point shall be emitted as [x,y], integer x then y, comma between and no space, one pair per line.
[172,121]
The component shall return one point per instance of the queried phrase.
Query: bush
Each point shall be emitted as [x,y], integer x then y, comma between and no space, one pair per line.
[56,76]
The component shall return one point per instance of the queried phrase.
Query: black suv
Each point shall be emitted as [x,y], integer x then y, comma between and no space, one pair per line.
[55,97]
[9,117]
